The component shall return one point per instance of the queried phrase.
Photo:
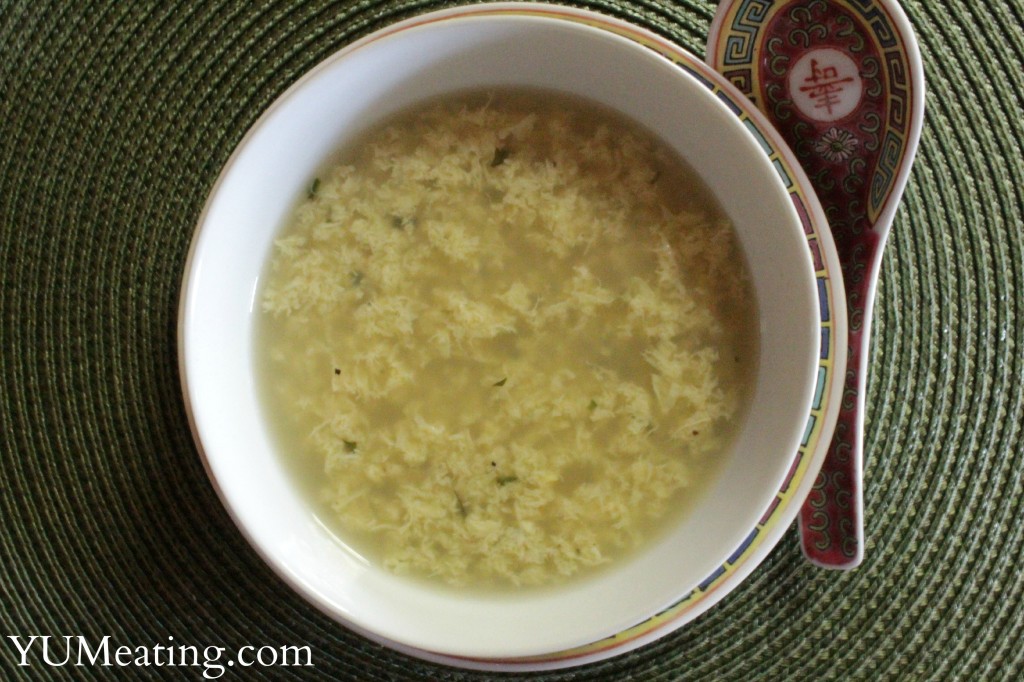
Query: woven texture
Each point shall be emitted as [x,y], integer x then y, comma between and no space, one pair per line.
[115,119]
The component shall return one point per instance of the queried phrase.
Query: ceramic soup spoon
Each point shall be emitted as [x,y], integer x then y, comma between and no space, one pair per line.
[843,83]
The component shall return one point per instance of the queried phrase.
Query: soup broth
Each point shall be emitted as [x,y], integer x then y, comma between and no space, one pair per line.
[505,339]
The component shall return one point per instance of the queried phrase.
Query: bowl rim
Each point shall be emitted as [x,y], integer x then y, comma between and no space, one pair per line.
[752,552]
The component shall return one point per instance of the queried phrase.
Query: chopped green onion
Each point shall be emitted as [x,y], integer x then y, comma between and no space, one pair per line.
[500,154]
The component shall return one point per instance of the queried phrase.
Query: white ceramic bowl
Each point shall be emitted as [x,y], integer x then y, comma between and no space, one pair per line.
[271,168]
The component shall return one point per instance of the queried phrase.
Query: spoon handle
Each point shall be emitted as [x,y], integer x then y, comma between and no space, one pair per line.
[842,82]
[832,517]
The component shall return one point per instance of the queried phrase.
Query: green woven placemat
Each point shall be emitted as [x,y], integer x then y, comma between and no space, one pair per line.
[115,119]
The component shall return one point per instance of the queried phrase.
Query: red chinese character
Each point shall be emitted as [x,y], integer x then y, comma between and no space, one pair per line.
[825,86]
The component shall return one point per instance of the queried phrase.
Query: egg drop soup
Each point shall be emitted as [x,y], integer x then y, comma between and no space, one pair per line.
[505,339]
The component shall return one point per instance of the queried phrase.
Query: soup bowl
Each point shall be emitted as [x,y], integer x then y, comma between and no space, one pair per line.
[271,169]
